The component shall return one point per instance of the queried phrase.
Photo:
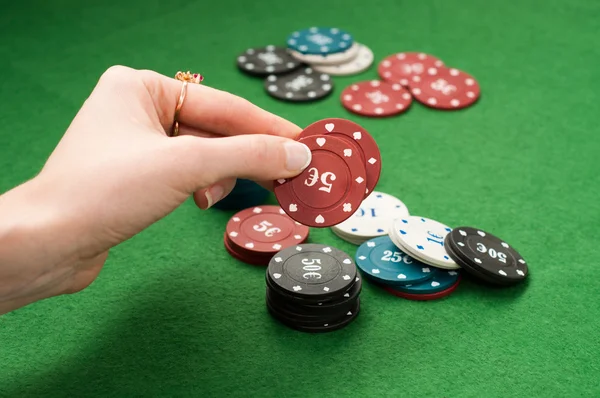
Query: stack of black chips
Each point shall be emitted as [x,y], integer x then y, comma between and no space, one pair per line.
[313,288]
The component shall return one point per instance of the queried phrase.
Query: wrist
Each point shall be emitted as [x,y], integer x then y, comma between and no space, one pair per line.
[36,261]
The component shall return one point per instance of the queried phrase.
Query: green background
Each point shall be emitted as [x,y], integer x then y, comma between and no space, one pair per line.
[173,315]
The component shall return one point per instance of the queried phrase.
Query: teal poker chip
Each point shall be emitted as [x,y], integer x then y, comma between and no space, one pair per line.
[320,41]
[441,280]
[383,262]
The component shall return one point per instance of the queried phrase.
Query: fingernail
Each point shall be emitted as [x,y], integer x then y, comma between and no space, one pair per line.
[298,156]
[213,195]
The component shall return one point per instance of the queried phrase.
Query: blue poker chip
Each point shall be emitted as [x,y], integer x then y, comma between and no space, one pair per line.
[321,41]
[441,280]
[383,262]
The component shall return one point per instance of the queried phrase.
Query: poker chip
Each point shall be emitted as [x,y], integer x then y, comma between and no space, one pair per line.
[425,296]
[382,261]
[444,88]
[301,85]
[374,218]
[313,288]
[347,238]
[319,40]
[360,63]
[402,67]
[423,239]
[312,271]
[486,256]
[267,60]
[440,280]
[376,98]
[255,234]
[353,134]
[327,59]
[330,189]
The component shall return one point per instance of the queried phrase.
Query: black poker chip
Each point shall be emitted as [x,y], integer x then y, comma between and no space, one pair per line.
[313,288]
[312,271]
[269,60]
[302,85]
[486,256]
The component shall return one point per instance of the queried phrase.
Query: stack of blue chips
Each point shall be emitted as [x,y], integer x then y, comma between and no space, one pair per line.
[246,193]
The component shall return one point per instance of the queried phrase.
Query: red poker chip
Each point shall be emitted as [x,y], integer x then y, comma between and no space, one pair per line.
[330,189]
[422,297]
[376,98]
[401,67]
[353,134]
[258,260]
[264,230]
[445,88]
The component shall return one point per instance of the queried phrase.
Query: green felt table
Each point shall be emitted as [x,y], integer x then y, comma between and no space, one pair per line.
[173,315]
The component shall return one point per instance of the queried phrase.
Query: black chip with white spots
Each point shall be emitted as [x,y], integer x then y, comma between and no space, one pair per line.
[313,288]
[302,85]
[269,60]
[486,256]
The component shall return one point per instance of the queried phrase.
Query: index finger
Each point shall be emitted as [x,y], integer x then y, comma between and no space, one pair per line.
[213,110]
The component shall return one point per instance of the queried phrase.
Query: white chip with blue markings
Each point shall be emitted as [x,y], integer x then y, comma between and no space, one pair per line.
[423,239]
[374,218]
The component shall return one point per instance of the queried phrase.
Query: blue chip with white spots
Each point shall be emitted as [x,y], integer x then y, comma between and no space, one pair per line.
[423,239]
[374,218]
[383,262]
[321,41]
[441,280]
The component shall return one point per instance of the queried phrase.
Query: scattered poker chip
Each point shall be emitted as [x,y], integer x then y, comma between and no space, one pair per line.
[402,67]
[265,229]
[347,238]
[255,234]
[382,261]
[327,59]
[267,60]
[313,288]
[486,256]
[423,239]
[425,296]
[319,40]
[374,218]
[376,98]
[330,189]
[312,271]
[304,84]
[360,63]
[444,88]
[440,280]
[354,134]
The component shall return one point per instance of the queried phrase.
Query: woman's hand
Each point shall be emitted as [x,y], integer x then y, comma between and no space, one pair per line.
[115,172]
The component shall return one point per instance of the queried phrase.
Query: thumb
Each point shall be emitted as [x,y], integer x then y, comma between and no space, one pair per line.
[253,156]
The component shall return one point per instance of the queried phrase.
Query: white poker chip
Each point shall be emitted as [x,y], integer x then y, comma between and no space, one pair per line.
[374,218]
[423,239]
[349,239]
[327,59]
[360,63]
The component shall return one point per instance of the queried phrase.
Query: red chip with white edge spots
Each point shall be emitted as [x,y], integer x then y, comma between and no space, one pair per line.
[376,98]
[264,229]
[445,88]
[402,67]
[330,189]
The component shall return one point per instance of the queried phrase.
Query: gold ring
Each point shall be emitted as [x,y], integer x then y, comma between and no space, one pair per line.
[185,77]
